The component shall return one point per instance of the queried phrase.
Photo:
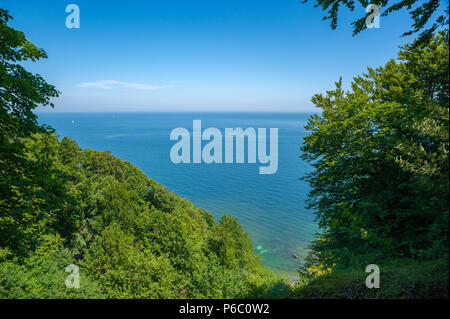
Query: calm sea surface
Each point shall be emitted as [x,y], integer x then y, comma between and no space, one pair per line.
[271,207]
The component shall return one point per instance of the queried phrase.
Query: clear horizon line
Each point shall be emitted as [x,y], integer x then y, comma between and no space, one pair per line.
[169,111]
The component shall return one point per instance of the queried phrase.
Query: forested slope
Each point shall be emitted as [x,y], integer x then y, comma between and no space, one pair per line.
[129,235]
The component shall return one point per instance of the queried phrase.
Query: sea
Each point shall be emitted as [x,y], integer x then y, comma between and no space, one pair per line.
[271,207]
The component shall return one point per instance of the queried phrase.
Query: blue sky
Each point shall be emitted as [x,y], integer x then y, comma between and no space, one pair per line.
[199,55]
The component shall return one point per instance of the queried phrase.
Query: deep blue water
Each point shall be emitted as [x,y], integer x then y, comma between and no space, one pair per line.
[270,207]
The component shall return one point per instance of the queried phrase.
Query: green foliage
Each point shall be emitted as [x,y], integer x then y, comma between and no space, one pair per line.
[380,152]
[43,277]
[420,14]
[30,199]
[126,269]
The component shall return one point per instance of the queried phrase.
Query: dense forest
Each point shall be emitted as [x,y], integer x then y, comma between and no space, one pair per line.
[379,188]
[129,235]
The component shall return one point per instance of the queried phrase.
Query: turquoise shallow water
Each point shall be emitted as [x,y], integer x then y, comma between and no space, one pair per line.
[270,207]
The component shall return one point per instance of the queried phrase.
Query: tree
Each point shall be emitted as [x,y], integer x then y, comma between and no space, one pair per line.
[421,14]
[30,197]
[20,90]
[380,157]
[126,269]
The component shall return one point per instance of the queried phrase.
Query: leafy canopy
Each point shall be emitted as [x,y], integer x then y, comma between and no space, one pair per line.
[29,197]
[380,153]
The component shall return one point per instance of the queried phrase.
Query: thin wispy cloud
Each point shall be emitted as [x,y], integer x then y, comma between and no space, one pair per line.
[110,84]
